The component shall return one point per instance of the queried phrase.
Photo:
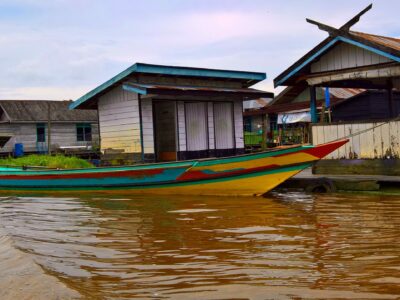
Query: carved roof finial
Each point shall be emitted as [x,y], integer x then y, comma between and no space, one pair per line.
[344,28]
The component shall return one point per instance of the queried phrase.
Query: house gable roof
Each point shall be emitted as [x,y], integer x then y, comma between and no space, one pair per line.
[381,45]
[249,78]
[37,111]
[384,46]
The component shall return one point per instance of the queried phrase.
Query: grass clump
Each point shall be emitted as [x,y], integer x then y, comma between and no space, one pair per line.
[50,161]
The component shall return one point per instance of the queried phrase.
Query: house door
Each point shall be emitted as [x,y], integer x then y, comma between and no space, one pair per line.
[196,127]
[223,124]
[165,130]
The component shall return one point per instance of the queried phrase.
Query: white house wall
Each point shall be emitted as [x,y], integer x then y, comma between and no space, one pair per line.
[224,125]
[238,121]
[211,131]
[62,135]
[181,144]
[238,126]
[119,121]
[383,141]
[346,56]
[147,125]
[196,126]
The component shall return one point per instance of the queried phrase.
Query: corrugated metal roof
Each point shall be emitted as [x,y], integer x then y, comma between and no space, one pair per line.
[37,111]
[291,107]
[283,102]
[300,93]
[385,41]
[344,93]
[257,103]
[145,89]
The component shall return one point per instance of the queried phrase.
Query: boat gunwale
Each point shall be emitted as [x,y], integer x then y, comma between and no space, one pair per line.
[109,169]
[163,184]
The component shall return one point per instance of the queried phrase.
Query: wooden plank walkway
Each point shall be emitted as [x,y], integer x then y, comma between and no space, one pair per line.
[307,174]
[323,183]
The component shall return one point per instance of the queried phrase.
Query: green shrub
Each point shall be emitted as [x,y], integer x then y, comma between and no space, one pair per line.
[56,161]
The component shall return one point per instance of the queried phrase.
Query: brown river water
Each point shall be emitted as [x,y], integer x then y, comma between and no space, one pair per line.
[289,245]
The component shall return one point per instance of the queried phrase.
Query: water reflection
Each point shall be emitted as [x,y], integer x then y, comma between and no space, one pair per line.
[284,246]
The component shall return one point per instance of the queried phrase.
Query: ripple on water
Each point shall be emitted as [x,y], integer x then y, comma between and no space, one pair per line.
[288,245]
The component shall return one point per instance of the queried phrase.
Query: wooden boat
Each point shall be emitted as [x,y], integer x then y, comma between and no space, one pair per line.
[250,174]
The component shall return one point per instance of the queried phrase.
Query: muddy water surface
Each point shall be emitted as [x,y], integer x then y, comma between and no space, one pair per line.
[286,246]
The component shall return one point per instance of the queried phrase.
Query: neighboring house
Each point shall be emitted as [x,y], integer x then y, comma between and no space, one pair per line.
[164,113]
[26,122]
[350,59]
[288,117]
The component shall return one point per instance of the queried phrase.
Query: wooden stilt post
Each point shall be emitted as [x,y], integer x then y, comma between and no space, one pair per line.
[48,128]
[313,104]
[391,106]
[322,118]
[264,132]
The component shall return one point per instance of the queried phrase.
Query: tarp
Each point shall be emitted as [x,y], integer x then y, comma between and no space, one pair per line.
[290,118]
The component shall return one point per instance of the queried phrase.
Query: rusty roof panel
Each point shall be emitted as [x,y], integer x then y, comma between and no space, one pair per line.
[344,93]
[385,41]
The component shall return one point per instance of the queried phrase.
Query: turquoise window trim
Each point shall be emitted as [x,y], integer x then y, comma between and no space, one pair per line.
[84,133]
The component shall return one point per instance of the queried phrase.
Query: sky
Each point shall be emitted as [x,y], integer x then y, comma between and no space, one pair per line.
[61,49]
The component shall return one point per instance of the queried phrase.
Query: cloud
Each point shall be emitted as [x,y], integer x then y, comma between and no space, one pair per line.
[62,49]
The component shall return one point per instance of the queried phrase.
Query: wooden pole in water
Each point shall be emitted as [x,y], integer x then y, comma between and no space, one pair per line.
[48,128]
[313,104]
[264,132]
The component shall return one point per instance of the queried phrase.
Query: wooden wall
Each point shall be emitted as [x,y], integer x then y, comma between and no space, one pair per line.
[238,120]
[238,125]
[62,135]
[211,131]
[196,126]
[119,121]
[344,56]
[381,142]
[181,143]
[147,126]
[224,125]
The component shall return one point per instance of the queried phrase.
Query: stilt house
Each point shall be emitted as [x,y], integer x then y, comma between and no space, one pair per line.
[164,113]
[352,59]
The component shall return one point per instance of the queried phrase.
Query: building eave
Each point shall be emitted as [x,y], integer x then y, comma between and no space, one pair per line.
[250,77]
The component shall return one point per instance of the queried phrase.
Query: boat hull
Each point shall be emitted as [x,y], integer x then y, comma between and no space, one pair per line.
[253,174]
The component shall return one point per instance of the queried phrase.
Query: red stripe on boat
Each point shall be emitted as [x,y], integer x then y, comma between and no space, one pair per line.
[195,175]
[133,174]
